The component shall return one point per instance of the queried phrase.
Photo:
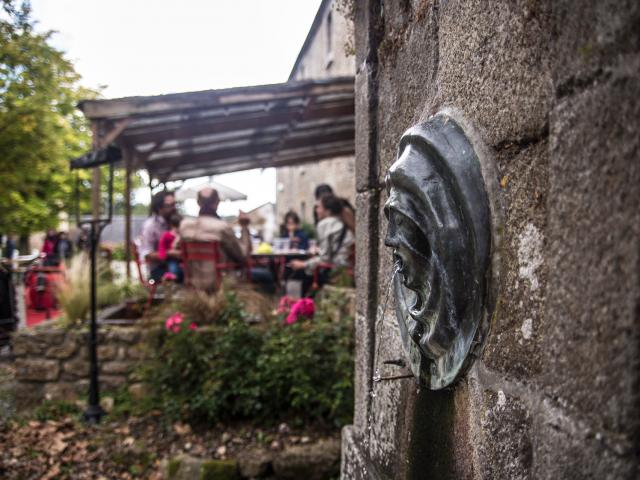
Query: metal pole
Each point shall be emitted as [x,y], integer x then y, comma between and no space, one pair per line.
[94,411]
[127,213]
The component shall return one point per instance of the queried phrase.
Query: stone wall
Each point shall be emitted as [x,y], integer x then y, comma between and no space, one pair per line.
[52,363]
[296,184]
[552,88]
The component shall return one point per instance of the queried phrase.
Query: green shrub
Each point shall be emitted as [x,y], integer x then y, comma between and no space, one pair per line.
[266,372]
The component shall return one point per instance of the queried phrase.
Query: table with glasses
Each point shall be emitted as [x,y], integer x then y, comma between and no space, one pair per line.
[277,261]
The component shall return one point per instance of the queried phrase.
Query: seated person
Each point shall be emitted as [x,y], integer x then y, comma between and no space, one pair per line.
[168,247]
[348,214]
[163,205]
[209,227]
[51,258]
[298,239]
[334,241]
[64,247]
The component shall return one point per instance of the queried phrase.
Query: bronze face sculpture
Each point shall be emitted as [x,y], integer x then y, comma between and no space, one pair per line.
[440,232]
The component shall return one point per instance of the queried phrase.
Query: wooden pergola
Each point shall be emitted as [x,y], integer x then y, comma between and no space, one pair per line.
[187,135]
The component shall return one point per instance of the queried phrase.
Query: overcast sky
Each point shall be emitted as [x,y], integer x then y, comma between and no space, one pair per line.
[142,47]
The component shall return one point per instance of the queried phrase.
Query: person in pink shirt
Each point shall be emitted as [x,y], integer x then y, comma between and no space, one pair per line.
[168,247]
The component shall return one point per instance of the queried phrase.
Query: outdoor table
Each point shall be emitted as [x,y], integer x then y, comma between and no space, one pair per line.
[279,260]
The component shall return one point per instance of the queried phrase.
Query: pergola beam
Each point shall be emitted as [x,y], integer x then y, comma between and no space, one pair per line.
[125,107]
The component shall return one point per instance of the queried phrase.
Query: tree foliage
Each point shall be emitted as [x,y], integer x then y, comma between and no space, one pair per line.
[40,127]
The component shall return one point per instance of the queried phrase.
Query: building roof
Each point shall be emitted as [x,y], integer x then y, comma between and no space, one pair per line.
[317,21]
[186,135]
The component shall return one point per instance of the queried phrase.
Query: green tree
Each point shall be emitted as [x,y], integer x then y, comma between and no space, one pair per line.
[40,126]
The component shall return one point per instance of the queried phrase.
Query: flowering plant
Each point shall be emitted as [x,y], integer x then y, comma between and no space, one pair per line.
[174,323]
[304,308]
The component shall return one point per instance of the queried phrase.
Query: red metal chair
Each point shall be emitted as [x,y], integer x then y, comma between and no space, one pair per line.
[208,252]
[324,265]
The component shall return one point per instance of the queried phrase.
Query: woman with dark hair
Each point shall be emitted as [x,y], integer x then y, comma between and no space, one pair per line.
[348,214]
[291,229]
[334,240]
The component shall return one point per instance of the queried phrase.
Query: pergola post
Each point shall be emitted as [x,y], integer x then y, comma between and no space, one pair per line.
[127,210]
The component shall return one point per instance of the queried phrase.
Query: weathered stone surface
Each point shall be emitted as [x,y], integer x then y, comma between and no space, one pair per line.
[127,335]
[116,366]
[316,461]
[498,72]
[27,395]
[135,353]
[113,381]
[573,451]
[592,354]
[49,334]
[519,326]
[590,43]
[138,391]
[27,342]
[64,350]
[352,463]
[37,370]
[67,391]
[77,367]
[186,467]
[255,463]
[107,352]
[552,88]
[506,450]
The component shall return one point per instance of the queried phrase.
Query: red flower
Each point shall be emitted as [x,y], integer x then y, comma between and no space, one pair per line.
[193,326]
[302,308]
[173,322]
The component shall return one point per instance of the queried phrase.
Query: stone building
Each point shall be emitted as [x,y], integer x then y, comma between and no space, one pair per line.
[324,54]
[551,90]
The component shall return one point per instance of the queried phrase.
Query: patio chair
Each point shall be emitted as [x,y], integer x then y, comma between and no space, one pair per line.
[329,266]
[207,253]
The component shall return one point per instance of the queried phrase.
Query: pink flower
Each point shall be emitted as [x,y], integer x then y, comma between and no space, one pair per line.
[284,305]
[173,322]
[168,276]
[302,308]
[193,326]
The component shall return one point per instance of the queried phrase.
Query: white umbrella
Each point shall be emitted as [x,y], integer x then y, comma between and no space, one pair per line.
[226,193]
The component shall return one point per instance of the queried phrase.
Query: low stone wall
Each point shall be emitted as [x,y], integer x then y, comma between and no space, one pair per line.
[52,363]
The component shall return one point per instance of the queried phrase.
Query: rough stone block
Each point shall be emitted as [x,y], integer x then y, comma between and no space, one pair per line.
[135,353]
[27,342]
[115,367]
[592,37]
[66,391]
[506,450]
[367,228]
[28,395]
[312,462]
[37,370]
[107,352]
[353,462]
[64,350]
[127,335]
[573,451]
[494,65]
[255,463]
[365,134]
[77,367]
[112,381]
[49,334]
[519,325]
[592,354]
